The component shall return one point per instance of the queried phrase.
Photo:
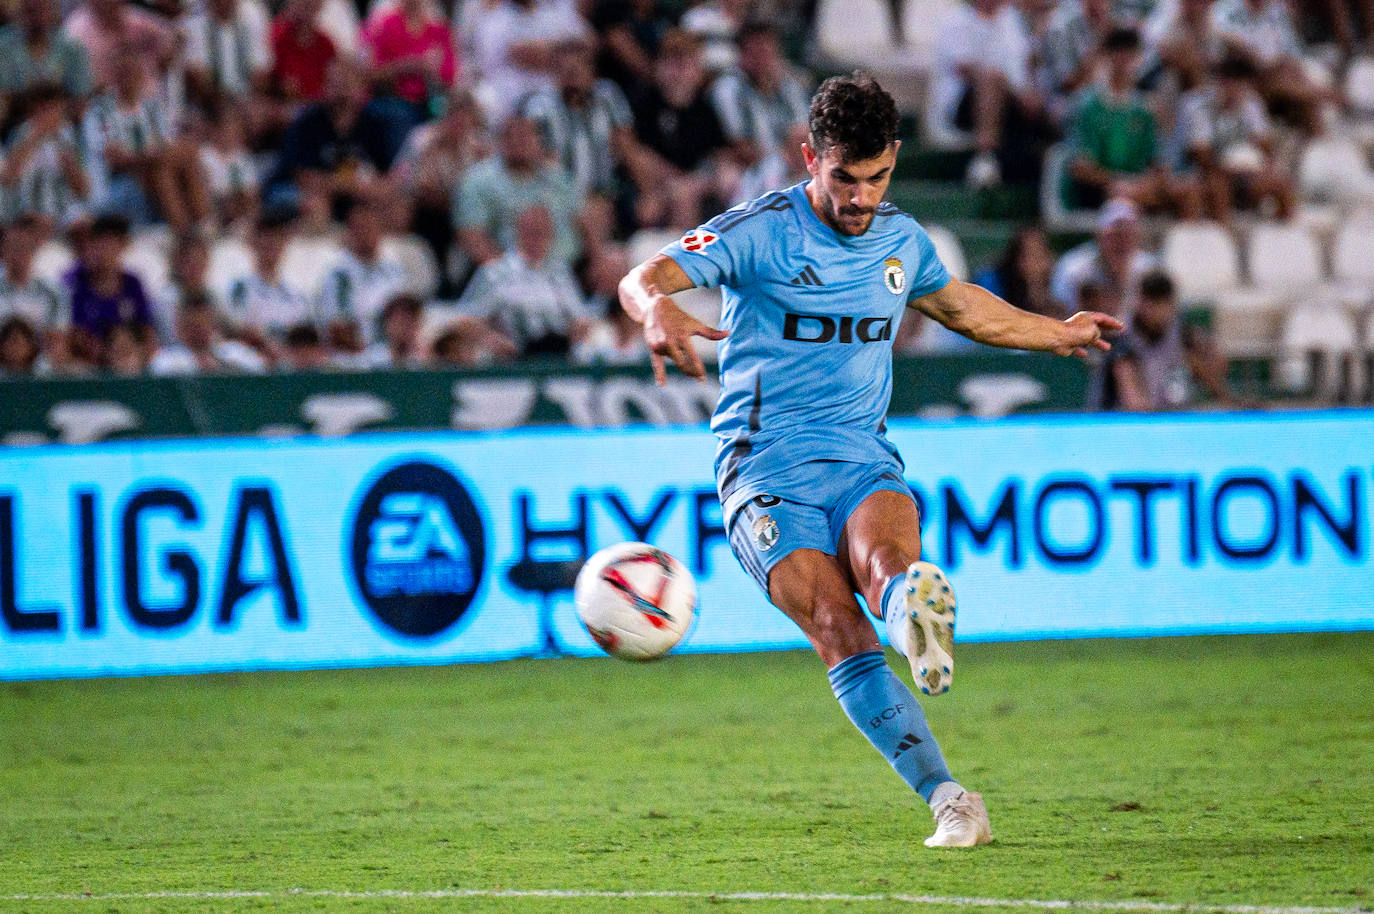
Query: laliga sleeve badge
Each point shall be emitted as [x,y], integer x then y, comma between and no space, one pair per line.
[894,277]
[765,532]
[697,240]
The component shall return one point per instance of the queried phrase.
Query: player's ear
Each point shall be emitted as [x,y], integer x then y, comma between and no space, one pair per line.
[811,161]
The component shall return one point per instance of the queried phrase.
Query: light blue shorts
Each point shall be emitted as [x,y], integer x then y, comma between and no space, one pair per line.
[809,511]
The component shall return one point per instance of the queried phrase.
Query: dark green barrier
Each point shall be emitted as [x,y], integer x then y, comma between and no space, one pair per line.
[34,411]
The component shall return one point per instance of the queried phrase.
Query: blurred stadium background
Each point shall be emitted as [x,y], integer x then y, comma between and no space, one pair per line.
[280,281]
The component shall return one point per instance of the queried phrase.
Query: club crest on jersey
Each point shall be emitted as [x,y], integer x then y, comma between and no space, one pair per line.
[697,240]
[765,532]
[894,277]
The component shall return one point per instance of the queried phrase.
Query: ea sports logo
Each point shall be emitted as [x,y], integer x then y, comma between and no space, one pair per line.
[697,240]
[418,549]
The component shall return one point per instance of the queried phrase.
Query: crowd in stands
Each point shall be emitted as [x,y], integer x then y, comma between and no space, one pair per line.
[296,185]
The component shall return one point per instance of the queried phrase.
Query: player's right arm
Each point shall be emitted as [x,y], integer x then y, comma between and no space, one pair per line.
[646,295]
[976,313]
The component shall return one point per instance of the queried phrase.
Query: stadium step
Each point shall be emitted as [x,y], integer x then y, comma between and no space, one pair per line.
[940,201]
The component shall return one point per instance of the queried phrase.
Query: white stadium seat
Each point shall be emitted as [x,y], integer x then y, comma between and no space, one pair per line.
[1057,216]
[949,249]
[1204,261]
[146,257]
[1352,261]
[52,261]
[1283,257]
[1319,352]
[1334,170]
[230,258]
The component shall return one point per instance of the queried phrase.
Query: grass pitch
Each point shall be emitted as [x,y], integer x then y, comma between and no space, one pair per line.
[1198,771]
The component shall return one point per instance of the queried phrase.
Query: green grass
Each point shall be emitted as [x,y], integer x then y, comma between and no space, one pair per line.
[1203,771]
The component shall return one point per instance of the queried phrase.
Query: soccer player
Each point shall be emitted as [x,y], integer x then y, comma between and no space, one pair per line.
[815,278]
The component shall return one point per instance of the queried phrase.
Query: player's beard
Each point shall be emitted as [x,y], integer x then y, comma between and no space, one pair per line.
[837,217]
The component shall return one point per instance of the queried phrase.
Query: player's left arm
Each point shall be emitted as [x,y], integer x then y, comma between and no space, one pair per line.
[976,313]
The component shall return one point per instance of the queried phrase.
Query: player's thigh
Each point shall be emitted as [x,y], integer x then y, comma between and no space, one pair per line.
[811,588]
[881,537]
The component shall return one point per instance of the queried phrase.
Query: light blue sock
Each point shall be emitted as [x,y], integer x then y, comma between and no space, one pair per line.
[886,712]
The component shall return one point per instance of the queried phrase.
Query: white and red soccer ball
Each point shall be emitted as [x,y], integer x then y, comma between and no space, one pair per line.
[635,600]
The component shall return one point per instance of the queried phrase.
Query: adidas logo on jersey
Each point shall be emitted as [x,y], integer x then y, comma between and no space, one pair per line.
[807,277]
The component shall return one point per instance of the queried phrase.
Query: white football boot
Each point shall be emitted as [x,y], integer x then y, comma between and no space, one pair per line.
[929,619]
[961,821]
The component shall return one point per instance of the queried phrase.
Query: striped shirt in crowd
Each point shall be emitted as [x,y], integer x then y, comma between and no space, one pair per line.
[582,138]
[142,128]
[357,291]
[230,53]
[1068,40]
[1269,33]
[526,302]
[268,306]
[38,301]
[747,114]
[42,187]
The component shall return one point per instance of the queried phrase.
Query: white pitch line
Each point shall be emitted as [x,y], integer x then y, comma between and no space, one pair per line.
[949,900]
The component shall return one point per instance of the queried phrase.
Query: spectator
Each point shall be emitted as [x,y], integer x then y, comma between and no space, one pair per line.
[1227,135]
[27,296]
[1022,275]
[982,84]
[782,168]
[44,174]
[399,347]
[335,149]
[188,272]
[513,44]
[102,293]
[1262,32]
[304,350]
[231,174]
[677,127]
[493,192]
[719,26]
[130,124]
[430,168]
[1185,41]
[1155,362]
[20,353]
[585,122]
[760,100]
[1071,50]
[263,307]
[1112,263]
[34,51]
[200,349]
[111,30]
[127,349]
[1117,149]
[630,33]
[616,338]
[301,53]
[228,52]
[528,296]
[412,52]
[359,285]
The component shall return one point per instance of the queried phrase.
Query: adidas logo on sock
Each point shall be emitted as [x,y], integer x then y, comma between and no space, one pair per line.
[909,741]
[807,277]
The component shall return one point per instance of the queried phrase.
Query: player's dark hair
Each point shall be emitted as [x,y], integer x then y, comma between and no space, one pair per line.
[854,115]
[1156,285]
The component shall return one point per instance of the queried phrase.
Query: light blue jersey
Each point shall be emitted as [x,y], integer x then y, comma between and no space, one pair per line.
[806,371]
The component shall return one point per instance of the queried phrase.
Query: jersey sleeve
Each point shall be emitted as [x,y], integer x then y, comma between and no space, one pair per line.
[930,274]
[726,250]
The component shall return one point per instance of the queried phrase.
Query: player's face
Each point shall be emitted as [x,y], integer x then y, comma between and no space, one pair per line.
[846,194]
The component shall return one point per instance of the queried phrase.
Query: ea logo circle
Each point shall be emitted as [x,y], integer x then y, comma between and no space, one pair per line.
[418,549]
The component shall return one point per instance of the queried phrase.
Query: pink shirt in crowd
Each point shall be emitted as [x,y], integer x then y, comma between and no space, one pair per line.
[152,37]
[389,39]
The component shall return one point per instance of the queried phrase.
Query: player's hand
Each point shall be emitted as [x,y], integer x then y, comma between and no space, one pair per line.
[669,330]
[1083,331]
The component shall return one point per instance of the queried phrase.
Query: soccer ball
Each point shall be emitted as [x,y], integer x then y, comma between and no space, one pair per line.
[635,600]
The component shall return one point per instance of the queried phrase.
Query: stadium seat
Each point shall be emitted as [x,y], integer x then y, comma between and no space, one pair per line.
[1352,260]
[1056,215]
[1334,170]
[1319,352]
[949,249]
[422,271]
[1359,86]
[53,260]
[1204,261]
[921,21]
[146,257]
[857,34]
